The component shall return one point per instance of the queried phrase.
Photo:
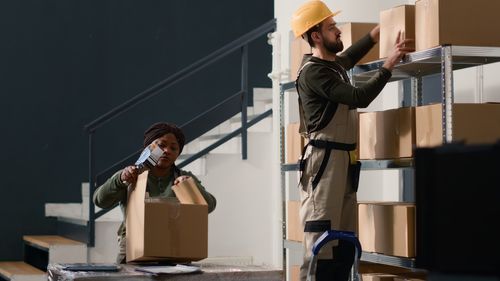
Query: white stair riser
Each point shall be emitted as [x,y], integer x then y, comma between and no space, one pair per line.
[106,243]
[265,125]
[79,211]
[262,94]
[230,147]
[261,106]
[41,277]
[67,254]
[67,210]
[192,147]
[196,167]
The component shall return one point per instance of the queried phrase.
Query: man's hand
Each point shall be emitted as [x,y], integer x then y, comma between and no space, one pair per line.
[375,33]
[181,179]
[399,51]
[129,175]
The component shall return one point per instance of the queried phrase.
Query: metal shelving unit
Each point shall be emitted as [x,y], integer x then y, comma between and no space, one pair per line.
[441,60]
[388,260]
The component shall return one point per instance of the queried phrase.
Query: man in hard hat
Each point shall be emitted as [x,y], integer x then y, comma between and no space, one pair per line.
[328,118]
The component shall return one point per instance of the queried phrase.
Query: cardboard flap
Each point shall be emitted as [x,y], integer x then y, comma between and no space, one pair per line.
[135,215]
[188,193]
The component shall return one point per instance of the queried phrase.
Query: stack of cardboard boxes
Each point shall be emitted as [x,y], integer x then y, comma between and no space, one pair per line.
[432,23]
[389,227]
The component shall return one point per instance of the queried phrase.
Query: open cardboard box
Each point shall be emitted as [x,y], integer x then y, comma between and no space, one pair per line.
[174,229]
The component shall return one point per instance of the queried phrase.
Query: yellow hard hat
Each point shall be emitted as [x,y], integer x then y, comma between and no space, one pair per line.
[308,15]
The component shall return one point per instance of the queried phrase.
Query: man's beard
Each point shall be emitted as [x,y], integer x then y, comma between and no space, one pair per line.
[334,47]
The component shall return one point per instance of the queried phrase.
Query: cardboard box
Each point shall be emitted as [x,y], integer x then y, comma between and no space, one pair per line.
[295,273]
[400,18]
[352,32]
[188,193]
[466,23]
[377,277]
[404,278]
[387,228]
[472,124]
[164,228]
[298,48]
[294,229]
[388,277]
[294,143]
[387,134]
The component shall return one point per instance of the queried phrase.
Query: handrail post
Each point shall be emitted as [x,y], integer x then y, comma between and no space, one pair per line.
[91,219]
[244,103]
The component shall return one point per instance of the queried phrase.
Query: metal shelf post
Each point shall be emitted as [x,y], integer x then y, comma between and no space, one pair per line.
[447,93]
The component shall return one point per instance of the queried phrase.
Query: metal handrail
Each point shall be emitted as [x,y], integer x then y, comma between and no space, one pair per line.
[182,74]
[238,44]
[131,157]
[224,139]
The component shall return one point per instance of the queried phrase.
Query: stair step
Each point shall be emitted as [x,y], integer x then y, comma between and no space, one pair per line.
[232,146]
[47,241]
[41,250]
[262,94]
[196,167]
[79,212]
[21,271]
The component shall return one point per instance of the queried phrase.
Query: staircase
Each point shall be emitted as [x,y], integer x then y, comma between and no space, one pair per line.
[20,271]
[224,246]
[39,251]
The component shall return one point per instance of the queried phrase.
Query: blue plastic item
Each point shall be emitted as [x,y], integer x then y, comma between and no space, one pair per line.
[328,236]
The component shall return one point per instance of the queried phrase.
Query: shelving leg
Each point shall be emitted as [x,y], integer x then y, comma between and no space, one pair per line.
[447,93]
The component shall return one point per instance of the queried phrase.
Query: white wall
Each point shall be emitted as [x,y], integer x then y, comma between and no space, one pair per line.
[242,224]
[468,84]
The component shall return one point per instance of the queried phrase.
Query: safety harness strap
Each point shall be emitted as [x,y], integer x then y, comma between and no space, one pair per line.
[328,146]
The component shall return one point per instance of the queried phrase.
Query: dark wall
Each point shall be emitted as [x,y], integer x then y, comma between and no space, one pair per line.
[63,63]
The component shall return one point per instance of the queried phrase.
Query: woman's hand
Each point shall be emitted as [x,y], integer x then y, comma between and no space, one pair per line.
[399,51]
[129,175]
[181,179]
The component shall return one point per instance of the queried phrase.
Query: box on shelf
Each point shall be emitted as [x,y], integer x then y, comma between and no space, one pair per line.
[298,47]
[387,134]
[294,143]
[388,277]
[387,228]
[352,32]
[392,21]
[294,229]
[164,228]
[472,124]
[440,22]
[377,277]
[295,273]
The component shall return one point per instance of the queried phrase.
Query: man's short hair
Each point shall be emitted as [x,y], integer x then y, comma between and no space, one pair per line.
[307,36]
